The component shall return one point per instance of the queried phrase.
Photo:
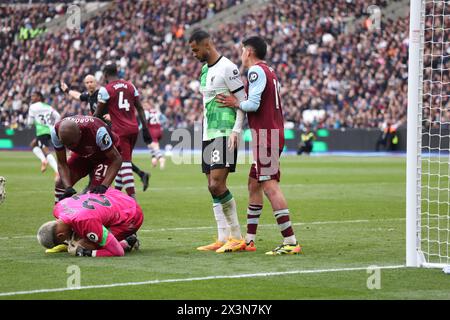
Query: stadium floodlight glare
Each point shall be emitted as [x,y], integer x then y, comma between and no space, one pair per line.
[428,144]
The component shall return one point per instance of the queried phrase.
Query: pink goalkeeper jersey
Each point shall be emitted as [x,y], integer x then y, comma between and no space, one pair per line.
[90,215]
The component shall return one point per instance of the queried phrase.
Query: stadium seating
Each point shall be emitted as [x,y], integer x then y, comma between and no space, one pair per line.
[358,78]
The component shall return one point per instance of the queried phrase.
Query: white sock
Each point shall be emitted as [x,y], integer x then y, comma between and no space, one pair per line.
[38,152]
[250,237]
[290,240]
[223,231]
[230,212]
[51,160]
[152,151]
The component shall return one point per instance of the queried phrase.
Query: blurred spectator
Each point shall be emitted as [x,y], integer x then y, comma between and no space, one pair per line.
[306,141]
[352,80]
[388,138]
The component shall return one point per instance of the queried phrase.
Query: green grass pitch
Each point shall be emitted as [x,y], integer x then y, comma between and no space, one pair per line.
[348,213]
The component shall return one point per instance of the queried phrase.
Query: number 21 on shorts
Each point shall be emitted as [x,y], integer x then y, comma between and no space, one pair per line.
[101,170]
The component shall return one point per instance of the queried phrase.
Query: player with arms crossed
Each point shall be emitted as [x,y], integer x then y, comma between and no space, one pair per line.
[94,150]
[106,225]
[221,128]
[121,98]
[154,118]
[90,96]
[265,118]
[43,117]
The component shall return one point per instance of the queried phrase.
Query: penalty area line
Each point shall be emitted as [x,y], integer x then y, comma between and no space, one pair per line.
[236,276]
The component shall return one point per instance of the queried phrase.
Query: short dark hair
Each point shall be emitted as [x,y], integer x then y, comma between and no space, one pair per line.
[199,35]
[110,69]
[39,94]
[258,44]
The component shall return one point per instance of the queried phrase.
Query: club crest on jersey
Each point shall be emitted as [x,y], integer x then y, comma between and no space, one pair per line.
[212,79]
[106,139]
[235,72]
[253,76]
[92,236]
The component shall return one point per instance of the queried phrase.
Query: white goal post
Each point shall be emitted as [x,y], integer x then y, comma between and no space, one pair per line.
[428,142]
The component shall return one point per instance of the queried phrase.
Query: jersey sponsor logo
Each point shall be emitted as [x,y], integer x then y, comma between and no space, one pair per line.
[106,140]
[92,236]
[253,76]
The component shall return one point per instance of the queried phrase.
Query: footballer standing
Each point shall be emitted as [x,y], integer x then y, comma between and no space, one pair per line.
[265,119]
[121,98]
[221,128]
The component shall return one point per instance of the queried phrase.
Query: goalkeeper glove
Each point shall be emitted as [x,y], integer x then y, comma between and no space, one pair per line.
[100,189]
[78,251]
[82,252]
[68,193]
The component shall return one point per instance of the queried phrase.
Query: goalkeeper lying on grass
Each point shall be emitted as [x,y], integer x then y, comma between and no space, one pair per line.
[95,225]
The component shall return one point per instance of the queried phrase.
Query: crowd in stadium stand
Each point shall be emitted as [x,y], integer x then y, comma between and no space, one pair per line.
[345,78]
[436,68]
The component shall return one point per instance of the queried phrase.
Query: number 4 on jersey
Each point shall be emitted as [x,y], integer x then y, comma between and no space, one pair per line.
[123,103]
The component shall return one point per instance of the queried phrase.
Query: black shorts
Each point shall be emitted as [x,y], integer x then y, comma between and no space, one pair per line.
[216,155]
[44,141]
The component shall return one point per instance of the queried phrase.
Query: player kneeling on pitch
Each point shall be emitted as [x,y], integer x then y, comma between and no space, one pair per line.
[93,225]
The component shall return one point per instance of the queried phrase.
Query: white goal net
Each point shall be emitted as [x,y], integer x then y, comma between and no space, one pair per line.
[431,43]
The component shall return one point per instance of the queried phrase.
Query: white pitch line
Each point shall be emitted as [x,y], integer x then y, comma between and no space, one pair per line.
[274,225]
[16,237]
[261,225]
[236,276]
